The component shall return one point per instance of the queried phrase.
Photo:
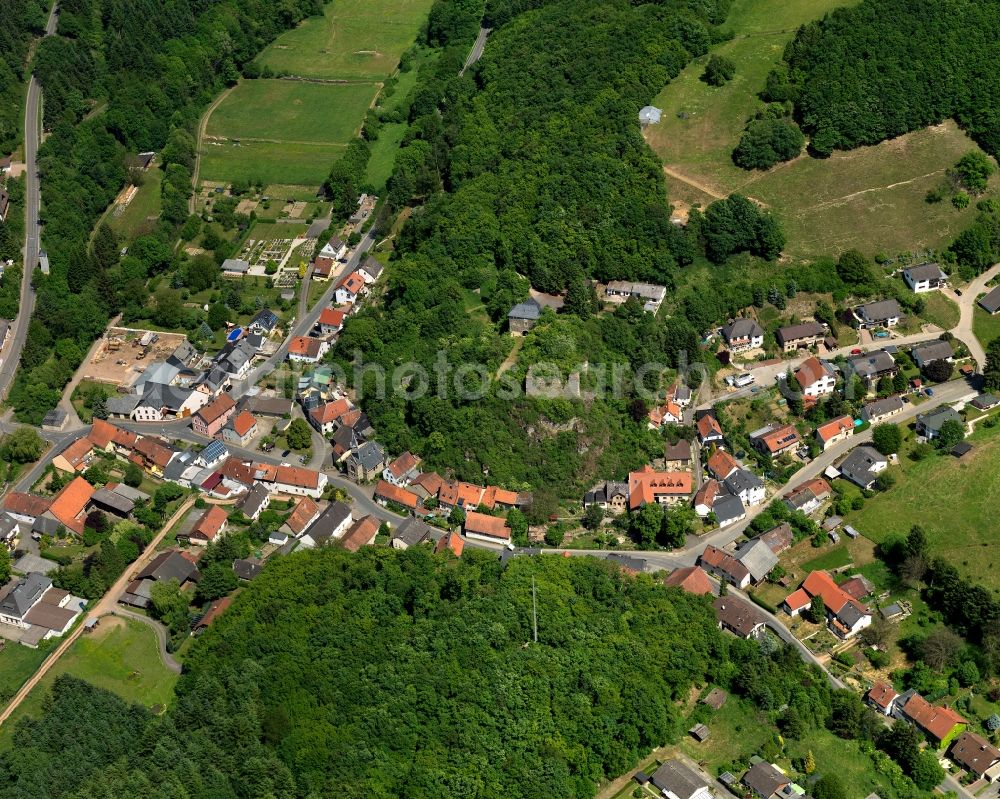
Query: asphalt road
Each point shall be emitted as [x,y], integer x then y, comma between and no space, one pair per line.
[477,49]
[32,229]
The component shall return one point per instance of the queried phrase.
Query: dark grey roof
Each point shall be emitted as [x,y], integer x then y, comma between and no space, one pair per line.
[269,406]
[265,319]
[54,418]
[682,781]
[932,421]
[857,466]
[160,395]
[184,353]
[25,593]
[254,500]
[991,302]
[133,494]
[764,778]
[45,525]
[7,525]
[932,351]
[880,311]
[742,328]
[602,493]
[373,267]
[795,332]
[728,508]
[369,455]
[328,521]
[872,364]
[412,532]
[986,401]
[924,272]
[178,465]
[878,408]
[123,404]
[170,565]
[247,568]
[529,310]
[851,613]
[628,562]
[214,378]
[743,480]
[114,501]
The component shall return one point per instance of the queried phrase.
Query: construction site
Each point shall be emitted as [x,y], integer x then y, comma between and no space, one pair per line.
[124,353]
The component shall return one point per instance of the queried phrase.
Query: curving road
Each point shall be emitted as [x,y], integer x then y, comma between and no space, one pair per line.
[158,630]
[967,310]
[477,50]
[32,228]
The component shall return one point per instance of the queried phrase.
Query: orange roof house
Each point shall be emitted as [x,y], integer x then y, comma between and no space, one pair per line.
[460,494]
[648,485]
[403,465]
[721,464]
[216,609]
[211,525]
[938,723]
[305,513]
[331,318]
[780,439]
[452,542]
[360,534]
[724,565]
[387,492]
[846,615]
[352,283]
[305,347]
[68,505]
[102,433]
[835,430]
[667,413]
[244,423]
[881,697]
[709,429]
[17,503]
[74,458]
[691,579]
[494,496]
[487,528]
[329,413]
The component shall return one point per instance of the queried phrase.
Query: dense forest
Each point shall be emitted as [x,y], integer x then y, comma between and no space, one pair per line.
[22,20]
[409,674]
[882,68]
[120,78]
[531,171]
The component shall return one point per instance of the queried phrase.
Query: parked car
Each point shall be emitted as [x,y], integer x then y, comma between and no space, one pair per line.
[958,292]
[285,453]
[856,351]
[929,392]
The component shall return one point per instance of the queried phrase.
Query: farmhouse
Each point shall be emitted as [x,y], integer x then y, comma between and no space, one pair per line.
[815,378]
[402,470]
[75,457]
[743,334]
[327,417]
[667,413]
[211,525]
[485,528]
[677,455]
[721,464]
[387,492]
[925,277]
[33,604]
[746,485]
[800,337]
[241,430]
[331,524]
[758,558]
[728,509]
[882,697]
[360,534]
[724,566]
[255,502]
[410,533]
[884,313]
[452,542]
[808,496]
[305,513]
[778,538]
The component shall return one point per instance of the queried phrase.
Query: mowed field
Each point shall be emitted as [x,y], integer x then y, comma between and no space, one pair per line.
[871,198]
[953,500]
[281,131]
[354,39]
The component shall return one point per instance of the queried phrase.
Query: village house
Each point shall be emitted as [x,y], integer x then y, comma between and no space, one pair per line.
[743,334]
[610,496]
[985,402]
[327,417]
[728,509]
[295,481]
[402,470]
[724,566]
[675,780]
[765,781]
[212,524]
[815,378]
[349,289]
[704,498]
[75,458]
[264,322]
[758,558]
[31,603]
[25,507]
[809,496]
[387,492]
[523,316]
[882,698]
[873,366]
[925,277]
[241,430]
[69,505]
[255,501]
[305,513]
[169,565]
[366,462]
[303,349]
[411,533]
[929,424]
[678,392]
[880,410]
[747,486]
[451,542]
[863,465]
[834,431]
[775,440]
[481,527]
[334,249]
[677,456]
[210,419]
[990,302]
[667,413]
[651,296]
[360,534]
[884,313]
[426,485]
[666,488]
[370,270]
[322,268]
[691,579]
[331,321]
[800,337]
[709,431]
[738,617]
[931,351]
[330,525]
[778,538]
[939,724]
[721,464]
[977,756]
[846,616]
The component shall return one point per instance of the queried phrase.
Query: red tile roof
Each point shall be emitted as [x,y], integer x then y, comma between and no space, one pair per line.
[353,282]
[153,451]
[244,423]
[936,721]
[494,496]
[69,503]
[707,493]
[210,523]
[707,425]
[76,453]
[26,504]
[297,476]
[458,493]
[492,526]
[332,317]
[304,513]
[452,542]
[691,579]
[722,464]
[330,411]
[215,610]
[303,345]
[881,695]
[781,438]
[715,558]
[431,482]
[391,493]
[646,485]
[403,465]
[810,371]
[323,266]
[102,433]
[360,534]
[834,428]
[216,408]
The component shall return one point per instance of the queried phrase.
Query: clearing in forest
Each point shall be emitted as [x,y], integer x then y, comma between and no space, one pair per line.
[871,198]
[353,40]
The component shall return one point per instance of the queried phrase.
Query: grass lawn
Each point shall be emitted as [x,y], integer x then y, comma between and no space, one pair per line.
[986,327]
[292,111]
[871,198]
[121,656]
[139,216]
[951,499]
[84,387]
[940,310]
[353,39]
[738,730]
[841,757]
[17,664]
[305,164]
[831,559]
[383,157]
